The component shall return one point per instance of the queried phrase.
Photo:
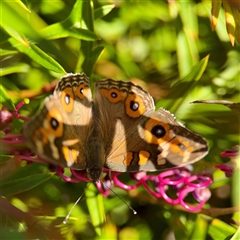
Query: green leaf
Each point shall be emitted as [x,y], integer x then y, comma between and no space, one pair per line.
[235,185]
[180,229]
[23,184]
[86,51]
[87,15]
[189,19]
[15,21]
[86,46]
[233,106]
[200,228]
[94,57]
[185,84]
[5,99]
[75,17]
[236,235]
[187,51]
[37,55]
[62,30]
[23,5]
[95,207]
[75,25]
[220,230]
[103,11]
[18,67]
[6,52]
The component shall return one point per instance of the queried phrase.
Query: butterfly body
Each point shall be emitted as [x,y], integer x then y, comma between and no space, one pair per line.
[118,129]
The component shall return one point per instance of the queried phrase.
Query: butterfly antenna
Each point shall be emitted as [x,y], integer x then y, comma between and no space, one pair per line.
[134,211]
[68,215]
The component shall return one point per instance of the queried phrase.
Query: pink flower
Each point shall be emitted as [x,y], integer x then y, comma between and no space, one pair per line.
[230,166]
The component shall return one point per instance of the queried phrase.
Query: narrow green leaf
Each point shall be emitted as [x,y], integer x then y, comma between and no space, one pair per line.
[94,57]
[83,34]
[183,54]
[54,31]
[86,51]
[233,106]
[5,99]
[86,46]
[179,229]
[95,207]
[75,16]
[61,30]
[23,184]
[236,235]
[18,36]
[12,13]
[87,15]
[220,230]
[186,53]
[37,55]
[185,84]
[235,185]
[17,24]
[200,228]
[195,73]
[23,5]
[103,11]
[6,52]
[189,18]
[19,67]
[96,53]
[76,25]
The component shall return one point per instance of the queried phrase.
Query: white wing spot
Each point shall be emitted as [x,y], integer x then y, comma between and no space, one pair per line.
[53,147]
[39,146]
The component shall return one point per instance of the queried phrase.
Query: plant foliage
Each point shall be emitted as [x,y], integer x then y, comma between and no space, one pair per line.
[167,47]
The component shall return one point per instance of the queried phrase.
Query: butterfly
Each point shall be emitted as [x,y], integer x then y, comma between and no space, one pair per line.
[118,129]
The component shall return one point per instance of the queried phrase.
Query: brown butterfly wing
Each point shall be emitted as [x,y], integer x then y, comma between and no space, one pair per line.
[61,129]
[138,138]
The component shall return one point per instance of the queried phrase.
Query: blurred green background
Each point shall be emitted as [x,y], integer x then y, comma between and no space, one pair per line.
[170,50]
